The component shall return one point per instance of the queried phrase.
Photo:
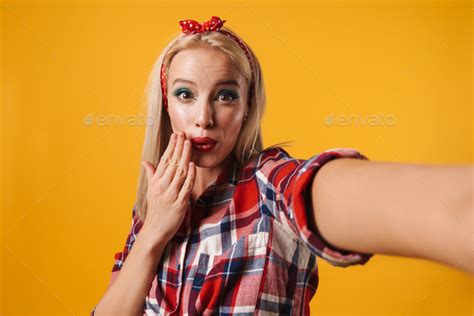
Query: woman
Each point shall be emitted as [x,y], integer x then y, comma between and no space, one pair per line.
[222,225]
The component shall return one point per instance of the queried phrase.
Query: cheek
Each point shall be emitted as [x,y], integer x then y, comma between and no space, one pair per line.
[231,125]
[179,119]
[231,120]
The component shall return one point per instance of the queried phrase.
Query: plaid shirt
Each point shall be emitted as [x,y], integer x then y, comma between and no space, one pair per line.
[245,248]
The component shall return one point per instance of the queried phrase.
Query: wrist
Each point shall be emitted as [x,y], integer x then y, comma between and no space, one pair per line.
[151,241]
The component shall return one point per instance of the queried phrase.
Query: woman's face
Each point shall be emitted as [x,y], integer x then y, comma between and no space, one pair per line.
[207,97]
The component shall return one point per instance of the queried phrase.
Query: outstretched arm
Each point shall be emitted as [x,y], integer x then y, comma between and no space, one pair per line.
[413,210]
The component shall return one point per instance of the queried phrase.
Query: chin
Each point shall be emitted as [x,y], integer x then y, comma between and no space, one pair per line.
[206,160]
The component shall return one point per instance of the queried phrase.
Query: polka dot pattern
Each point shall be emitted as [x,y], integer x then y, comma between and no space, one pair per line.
[192,27]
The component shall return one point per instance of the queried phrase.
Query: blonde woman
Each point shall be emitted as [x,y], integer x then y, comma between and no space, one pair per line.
[223,226]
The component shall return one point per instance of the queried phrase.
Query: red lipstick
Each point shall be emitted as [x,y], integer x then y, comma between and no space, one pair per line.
[203,144]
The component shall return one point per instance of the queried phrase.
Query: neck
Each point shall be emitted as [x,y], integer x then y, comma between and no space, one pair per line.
[206,176]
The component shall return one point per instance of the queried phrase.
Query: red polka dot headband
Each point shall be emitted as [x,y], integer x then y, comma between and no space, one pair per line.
[193,27]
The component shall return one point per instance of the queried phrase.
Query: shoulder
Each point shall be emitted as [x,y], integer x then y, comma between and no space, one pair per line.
[270,161]
[275,163]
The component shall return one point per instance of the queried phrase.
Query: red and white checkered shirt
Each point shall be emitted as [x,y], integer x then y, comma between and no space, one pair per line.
[245,248]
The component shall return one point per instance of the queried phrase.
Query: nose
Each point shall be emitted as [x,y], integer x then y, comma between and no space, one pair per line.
[205,115]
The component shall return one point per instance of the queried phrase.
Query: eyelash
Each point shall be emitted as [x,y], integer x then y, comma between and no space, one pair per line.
[232,94]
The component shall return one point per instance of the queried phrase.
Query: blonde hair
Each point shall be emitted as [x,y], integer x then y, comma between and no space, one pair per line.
[249,142]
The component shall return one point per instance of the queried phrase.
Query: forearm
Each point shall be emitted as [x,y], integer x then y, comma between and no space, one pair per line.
[412,210]
[127,293]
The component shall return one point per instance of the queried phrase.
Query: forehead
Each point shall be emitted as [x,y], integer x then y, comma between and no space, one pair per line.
[203,65]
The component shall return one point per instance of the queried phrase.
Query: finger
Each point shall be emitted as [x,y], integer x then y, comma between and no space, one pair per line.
[174,162]
[149,170]
[182,170]
[164,160]
[188,184]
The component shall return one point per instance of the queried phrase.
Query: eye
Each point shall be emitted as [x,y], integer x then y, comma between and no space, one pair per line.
[183,92]
[229,96]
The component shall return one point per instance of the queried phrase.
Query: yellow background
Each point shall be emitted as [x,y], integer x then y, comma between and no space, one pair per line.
[68,188]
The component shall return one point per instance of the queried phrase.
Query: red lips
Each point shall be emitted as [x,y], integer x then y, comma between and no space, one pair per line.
[203,140]
[203,144]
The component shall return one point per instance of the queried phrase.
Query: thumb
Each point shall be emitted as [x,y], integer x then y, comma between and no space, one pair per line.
[149,169]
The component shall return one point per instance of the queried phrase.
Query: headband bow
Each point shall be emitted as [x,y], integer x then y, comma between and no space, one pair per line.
[193,27]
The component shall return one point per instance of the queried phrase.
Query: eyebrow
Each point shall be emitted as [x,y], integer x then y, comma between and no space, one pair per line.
[221,82]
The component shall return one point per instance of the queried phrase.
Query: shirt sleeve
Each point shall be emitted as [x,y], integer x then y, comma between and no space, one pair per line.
[131,237]
[122,255]
[294,183]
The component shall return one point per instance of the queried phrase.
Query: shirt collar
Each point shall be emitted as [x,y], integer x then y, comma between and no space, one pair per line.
[228,175]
